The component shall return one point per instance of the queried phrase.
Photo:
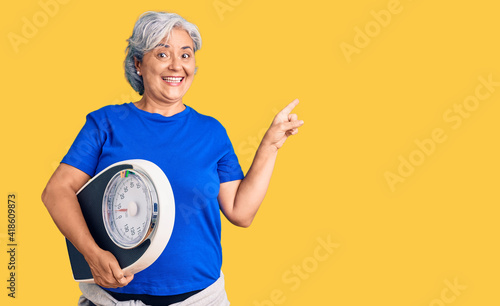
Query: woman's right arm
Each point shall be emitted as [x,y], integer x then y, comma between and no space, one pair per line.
[60,199]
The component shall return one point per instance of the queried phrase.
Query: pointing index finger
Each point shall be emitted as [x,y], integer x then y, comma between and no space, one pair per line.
[289,107]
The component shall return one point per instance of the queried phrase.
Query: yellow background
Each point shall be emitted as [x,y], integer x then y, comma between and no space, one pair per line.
[402,247]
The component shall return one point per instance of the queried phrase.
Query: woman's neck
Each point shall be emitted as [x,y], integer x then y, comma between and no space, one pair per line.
[166,109]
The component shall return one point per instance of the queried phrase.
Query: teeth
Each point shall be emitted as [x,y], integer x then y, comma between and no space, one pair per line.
[173,79]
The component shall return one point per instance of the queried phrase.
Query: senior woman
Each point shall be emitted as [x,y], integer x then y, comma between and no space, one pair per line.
[192,149]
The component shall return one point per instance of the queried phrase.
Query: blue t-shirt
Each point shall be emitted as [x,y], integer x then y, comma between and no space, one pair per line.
[196,155]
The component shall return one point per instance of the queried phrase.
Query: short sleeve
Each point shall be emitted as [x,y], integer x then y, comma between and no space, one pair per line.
[228,167]
[85,151]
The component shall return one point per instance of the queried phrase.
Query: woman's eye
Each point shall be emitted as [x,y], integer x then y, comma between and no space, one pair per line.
[162,55]
[185,55]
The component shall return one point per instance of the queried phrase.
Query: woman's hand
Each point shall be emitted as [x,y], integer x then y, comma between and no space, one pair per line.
[106,270]
[283,126]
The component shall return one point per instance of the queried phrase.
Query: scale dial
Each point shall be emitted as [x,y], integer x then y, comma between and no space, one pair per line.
[129,208]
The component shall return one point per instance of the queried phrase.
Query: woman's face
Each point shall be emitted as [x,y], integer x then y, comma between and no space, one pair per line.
[168,69]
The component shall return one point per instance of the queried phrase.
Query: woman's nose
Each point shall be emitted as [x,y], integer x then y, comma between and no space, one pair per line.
[175,64]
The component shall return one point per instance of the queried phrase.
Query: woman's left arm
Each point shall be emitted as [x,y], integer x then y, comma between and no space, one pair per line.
[240,200]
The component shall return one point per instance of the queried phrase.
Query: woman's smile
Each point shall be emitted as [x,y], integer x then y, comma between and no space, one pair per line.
[173,80]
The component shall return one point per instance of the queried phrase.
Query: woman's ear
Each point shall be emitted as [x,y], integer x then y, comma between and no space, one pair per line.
[137,65]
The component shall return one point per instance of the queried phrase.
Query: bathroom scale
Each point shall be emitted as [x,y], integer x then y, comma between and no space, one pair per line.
[130,212]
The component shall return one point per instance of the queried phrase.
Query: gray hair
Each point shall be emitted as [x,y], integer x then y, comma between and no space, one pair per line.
[149,30]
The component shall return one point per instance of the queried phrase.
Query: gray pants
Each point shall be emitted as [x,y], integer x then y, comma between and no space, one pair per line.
[213,295]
